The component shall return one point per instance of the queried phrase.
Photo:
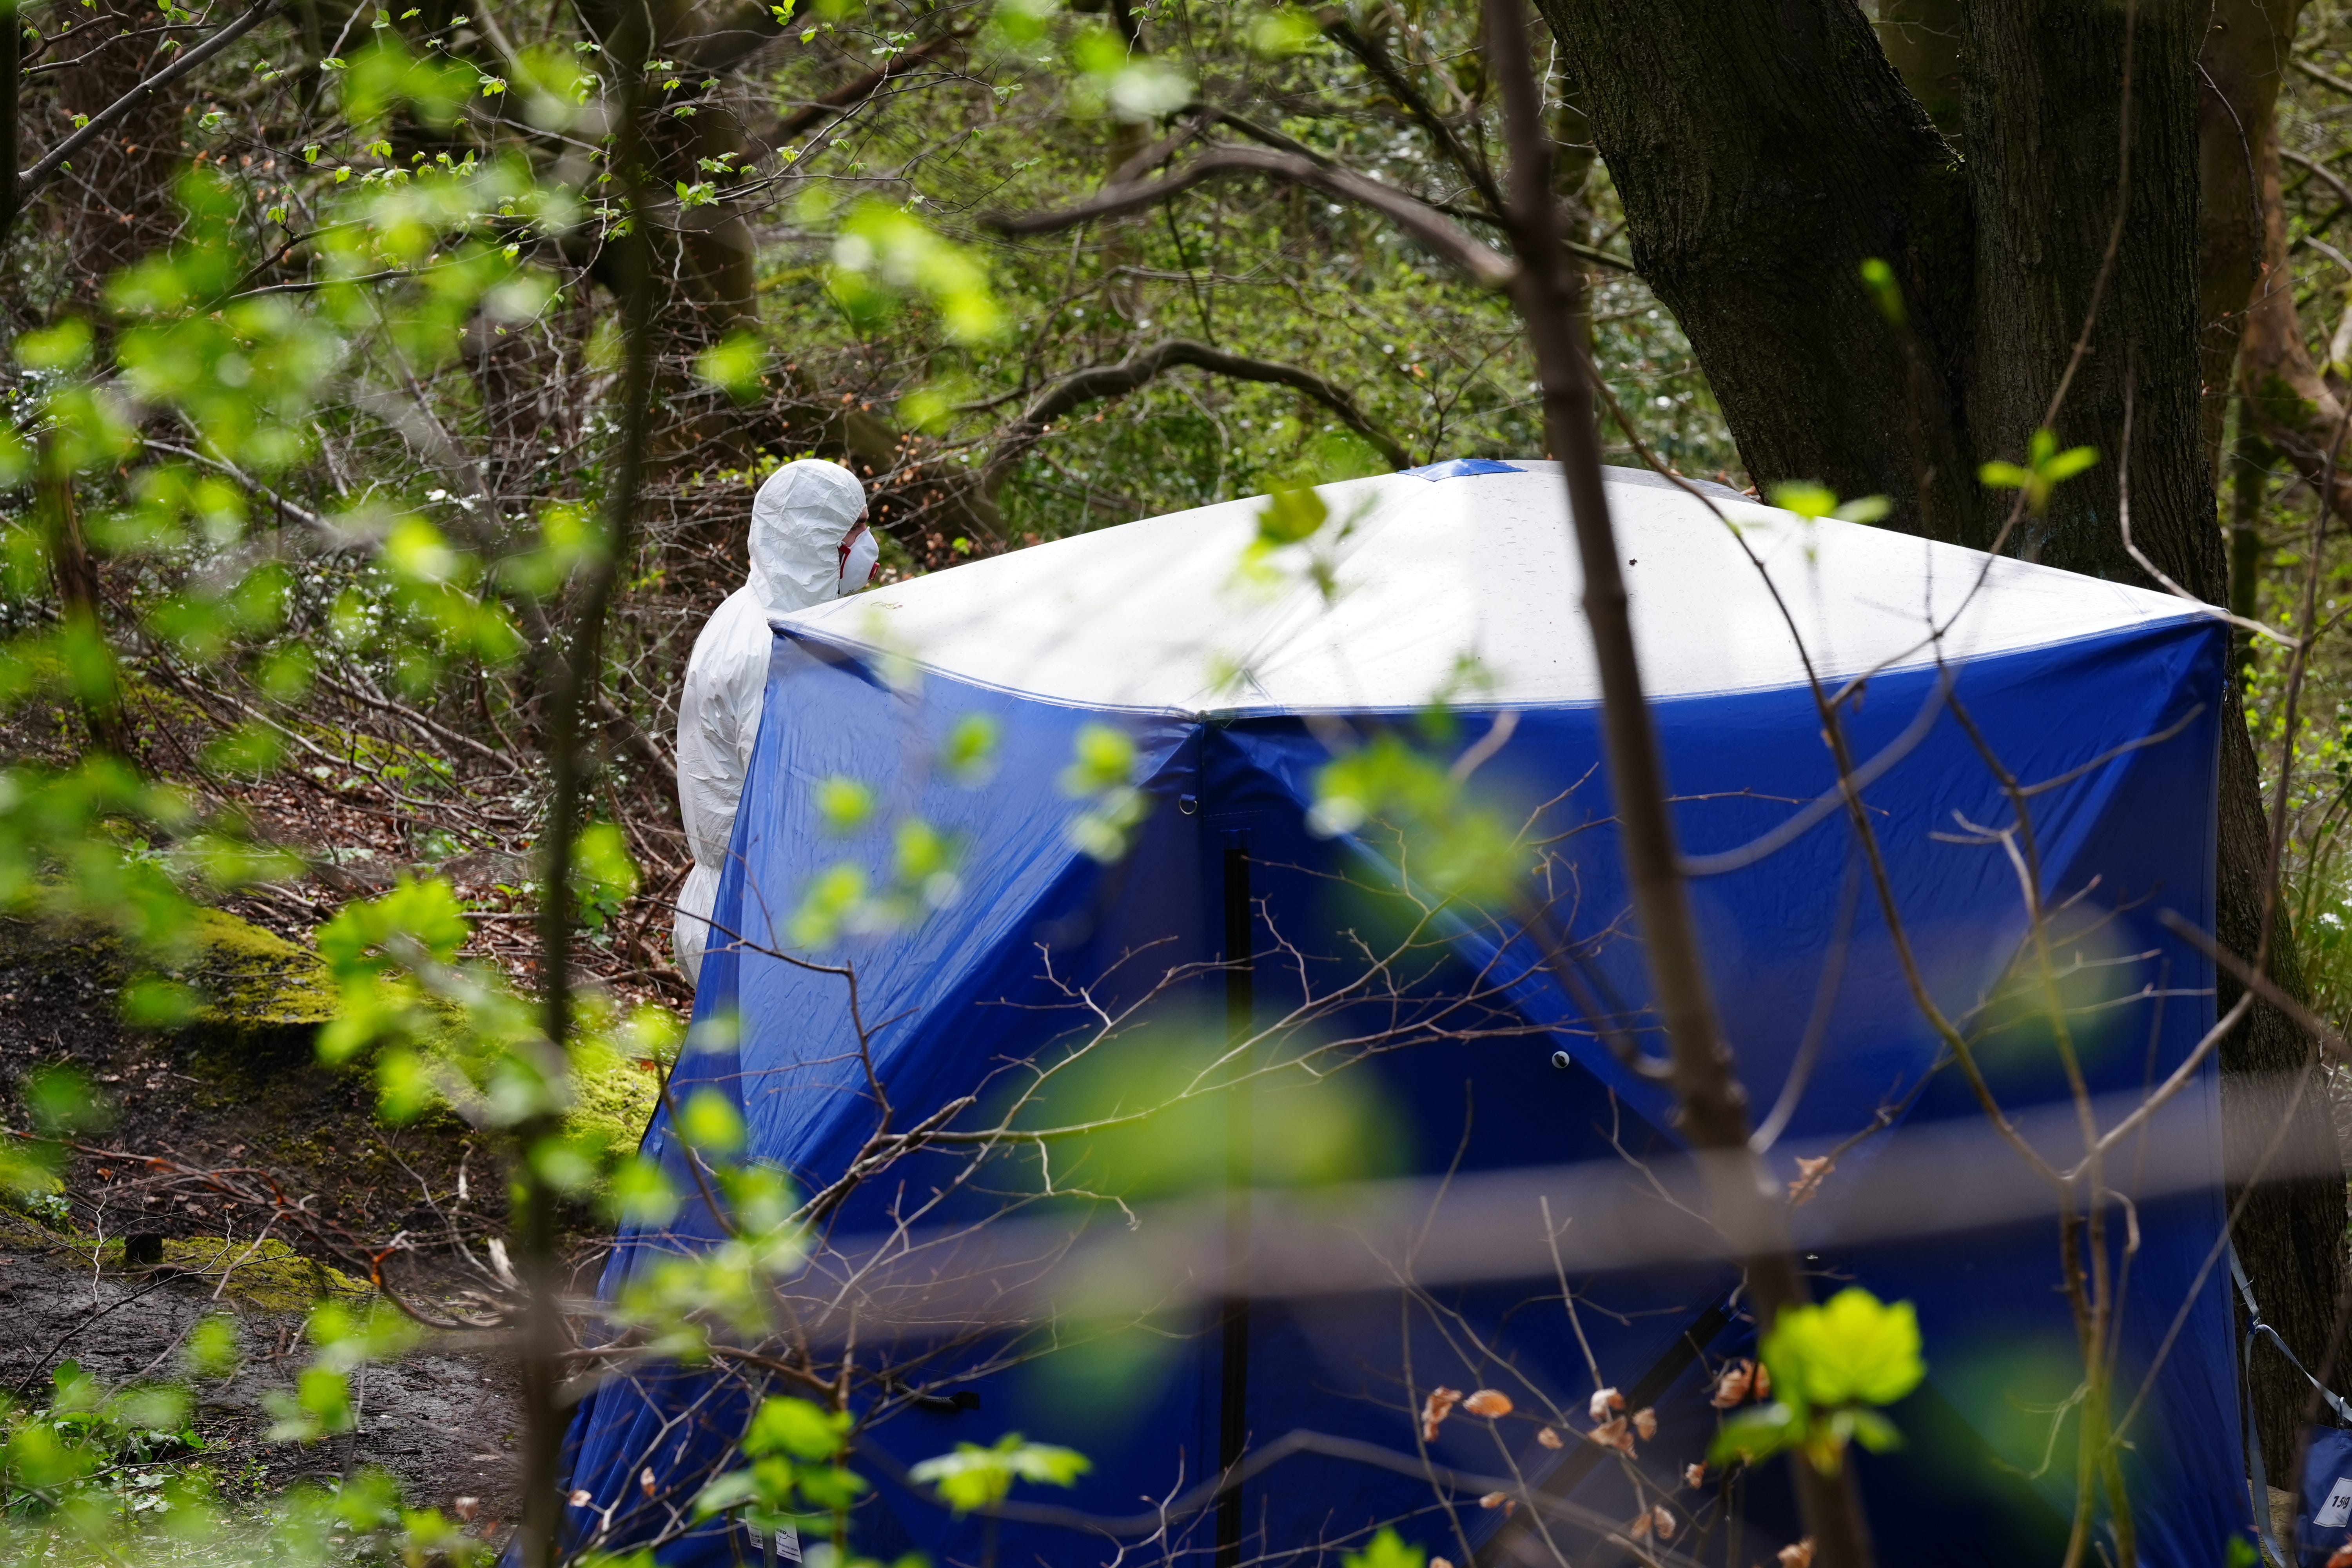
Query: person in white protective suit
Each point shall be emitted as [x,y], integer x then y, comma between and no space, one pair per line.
[809,543]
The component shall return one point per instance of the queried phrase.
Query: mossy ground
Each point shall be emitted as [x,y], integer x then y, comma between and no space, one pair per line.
[240,1084]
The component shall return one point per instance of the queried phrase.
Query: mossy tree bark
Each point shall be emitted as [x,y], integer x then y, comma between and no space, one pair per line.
[1762,153]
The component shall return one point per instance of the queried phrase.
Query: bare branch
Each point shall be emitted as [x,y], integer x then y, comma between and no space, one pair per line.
[2325,78]
[12,93]
[848,97]
[2321,173]
[1376,59]
[1145,366]
[32,179]
[1441,234]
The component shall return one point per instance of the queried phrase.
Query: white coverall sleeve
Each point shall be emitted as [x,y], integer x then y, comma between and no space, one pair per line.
[718,726]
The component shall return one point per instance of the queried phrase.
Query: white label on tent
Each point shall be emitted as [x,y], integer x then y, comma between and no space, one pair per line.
[2338,1507]
[788,1541]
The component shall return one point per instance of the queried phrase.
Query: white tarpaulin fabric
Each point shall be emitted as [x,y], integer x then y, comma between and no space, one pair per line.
[1481,560]
[800,519]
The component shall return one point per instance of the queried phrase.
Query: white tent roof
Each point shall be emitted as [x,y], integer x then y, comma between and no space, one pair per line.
[1435,566]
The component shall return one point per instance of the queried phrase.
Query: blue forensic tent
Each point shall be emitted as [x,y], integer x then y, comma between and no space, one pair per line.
[1238,682]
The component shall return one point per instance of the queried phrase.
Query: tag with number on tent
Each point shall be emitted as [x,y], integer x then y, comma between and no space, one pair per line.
[2339,1507]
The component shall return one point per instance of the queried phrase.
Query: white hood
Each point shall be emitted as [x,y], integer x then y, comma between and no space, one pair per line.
[798,521]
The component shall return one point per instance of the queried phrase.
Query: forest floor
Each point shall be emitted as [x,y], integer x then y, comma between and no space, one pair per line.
[158,1225]
[443,1422]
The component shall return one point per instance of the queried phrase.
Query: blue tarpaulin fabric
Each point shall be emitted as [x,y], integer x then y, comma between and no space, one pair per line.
[2102,701]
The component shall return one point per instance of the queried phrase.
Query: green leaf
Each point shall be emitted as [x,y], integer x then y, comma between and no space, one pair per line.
[416,553]
[798,1428]
[1852,1349]
[1386,1550]
[152,1002]
[1869,1428]
[845,804]
[2065,465]
[710,1122]
[1284,31]
[61,1103]
[2002,476]
[605,877]
[64,346]
[1290,515]
[1757,1434]
[427,913]
[921,853]
[319,1406]
[973,1477]
[734,363]
[212,1347]
[833,895]
[1864,509]
[639,1191]
[349,1338]
[968,757]
[1884,291]
[1102,758]
[1805,497]
[885,252]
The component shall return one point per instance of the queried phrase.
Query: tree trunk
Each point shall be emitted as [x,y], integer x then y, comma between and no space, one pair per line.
[2241,60]
[2248,311]
[1762,153]
[74,574]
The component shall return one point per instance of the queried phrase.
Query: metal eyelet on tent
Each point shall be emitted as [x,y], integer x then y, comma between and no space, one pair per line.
[1562,1060]
[1188,803]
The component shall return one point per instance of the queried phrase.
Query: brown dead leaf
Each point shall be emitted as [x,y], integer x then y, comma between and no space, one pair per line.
[1435,1409]
[1797,1553]
[1491,1402]
[1548,1437]
[2343,1557]
[1614,1434]
[465,1508]
[1809,1176]
[1499,1499]
[1731,1385]
[1695,1475]
[1640,1529]
[1604,1402]
[583,1498]
[1645,1422]
[1763,1384]
[1665,1522]
[645,1480]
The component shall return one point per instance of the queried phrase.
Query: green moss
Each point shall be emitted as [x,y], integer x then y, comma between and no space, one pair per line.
[21,1231]
[615,1096]
[266,1274]
[254,978]
[251,979]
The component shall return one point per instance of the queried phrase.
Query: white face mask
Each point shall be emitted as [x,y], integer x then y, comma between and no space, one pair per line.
[857,565]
